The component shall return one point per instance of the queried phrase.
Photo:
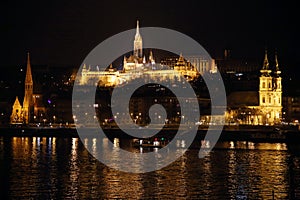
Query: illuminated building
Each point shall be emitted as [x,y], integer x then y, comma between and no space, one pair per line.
[137,66]
[17,115]
[32,105]
[259,108]
[202,64]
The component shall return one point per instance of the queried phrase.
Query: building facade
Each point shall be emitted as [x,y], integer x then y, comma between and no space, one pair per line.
[262,107]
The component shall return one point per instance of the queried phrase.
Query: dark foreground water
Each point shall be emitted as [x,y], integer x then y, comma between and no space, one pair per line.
[61,168]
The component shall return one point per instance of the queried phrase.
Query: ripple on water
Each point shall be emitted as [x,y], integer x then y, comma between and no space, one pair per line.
[51,168]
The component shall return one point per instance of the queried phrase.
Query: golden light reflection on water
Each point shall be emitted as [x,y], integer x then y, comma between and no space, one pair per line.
[46,168]
[263,165]
[272,171]
[53,146]
[251,145]
[74,170]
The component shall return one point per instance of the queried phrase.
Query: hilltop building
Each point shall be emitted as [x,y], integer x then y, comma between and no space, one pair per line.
[136,66]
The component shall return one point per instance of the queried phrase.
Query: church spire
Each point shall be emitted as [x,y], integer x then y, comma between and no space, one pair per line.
[138,42]
[137,34]
[277,70]
[28,78]
[266,62]
[276,62]
[265,71]
[28,94]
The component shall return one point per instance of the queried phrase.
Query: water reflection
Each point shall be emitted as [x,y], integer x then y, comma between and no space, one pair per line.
[50,168]
[74,170]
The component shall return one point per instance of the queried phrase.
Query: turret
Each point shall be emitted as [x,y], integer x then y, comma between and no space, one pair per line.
[151,58]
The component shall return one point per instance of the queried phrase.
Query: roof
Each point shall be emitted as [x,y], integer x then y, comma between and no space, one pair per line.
[243,98]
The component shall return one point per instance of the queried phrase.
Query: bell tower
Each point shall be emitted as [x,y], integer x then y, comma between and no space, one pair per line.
[270,92]
[265,83]
[28,94]
[277,90]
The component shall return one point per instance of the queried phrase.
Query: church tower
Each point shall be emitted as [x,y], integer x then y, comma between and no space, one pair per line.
[270,92]
[28,100]
[277,90]
[138,43]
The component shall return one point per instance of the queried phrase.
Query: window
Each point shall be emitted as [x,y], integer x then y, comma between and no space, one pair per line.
[263,84]
[269,85]
[264,100]
[270,99]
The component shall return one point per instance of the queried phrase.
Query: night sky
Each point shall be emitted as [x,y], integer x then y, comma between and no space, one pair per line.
[61,32]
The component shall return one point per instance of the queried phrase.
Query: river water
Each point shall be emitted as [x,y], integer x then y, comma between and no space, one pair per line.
[61,168]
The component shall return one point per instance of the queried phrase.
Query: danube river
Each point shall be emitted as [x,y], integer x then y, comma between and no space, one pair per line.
[61,168]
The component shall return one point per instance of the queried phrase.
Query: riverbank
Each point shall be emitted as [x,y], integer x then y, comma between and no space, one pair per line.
[229,133]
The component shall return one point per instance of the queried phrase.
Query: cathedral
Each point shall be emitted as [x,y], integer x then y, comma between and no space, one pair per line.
[262,107]
[32,106]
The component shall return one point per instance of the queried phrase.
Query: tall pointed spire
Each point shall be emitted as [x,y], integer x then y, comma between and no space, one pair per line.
[138,42]
[137,29]
[266,62]
[276,62]
[28,78]
[277,70]
[28,94]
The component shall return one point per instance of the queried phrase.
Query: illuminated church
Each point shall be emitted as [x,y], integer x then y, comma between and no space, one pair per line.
[135,66]
[32,106]
[137,60]
[262,107]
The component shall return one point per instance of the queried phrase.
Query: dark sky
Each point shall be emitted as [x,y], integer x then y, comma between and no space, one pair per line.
[61,32]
